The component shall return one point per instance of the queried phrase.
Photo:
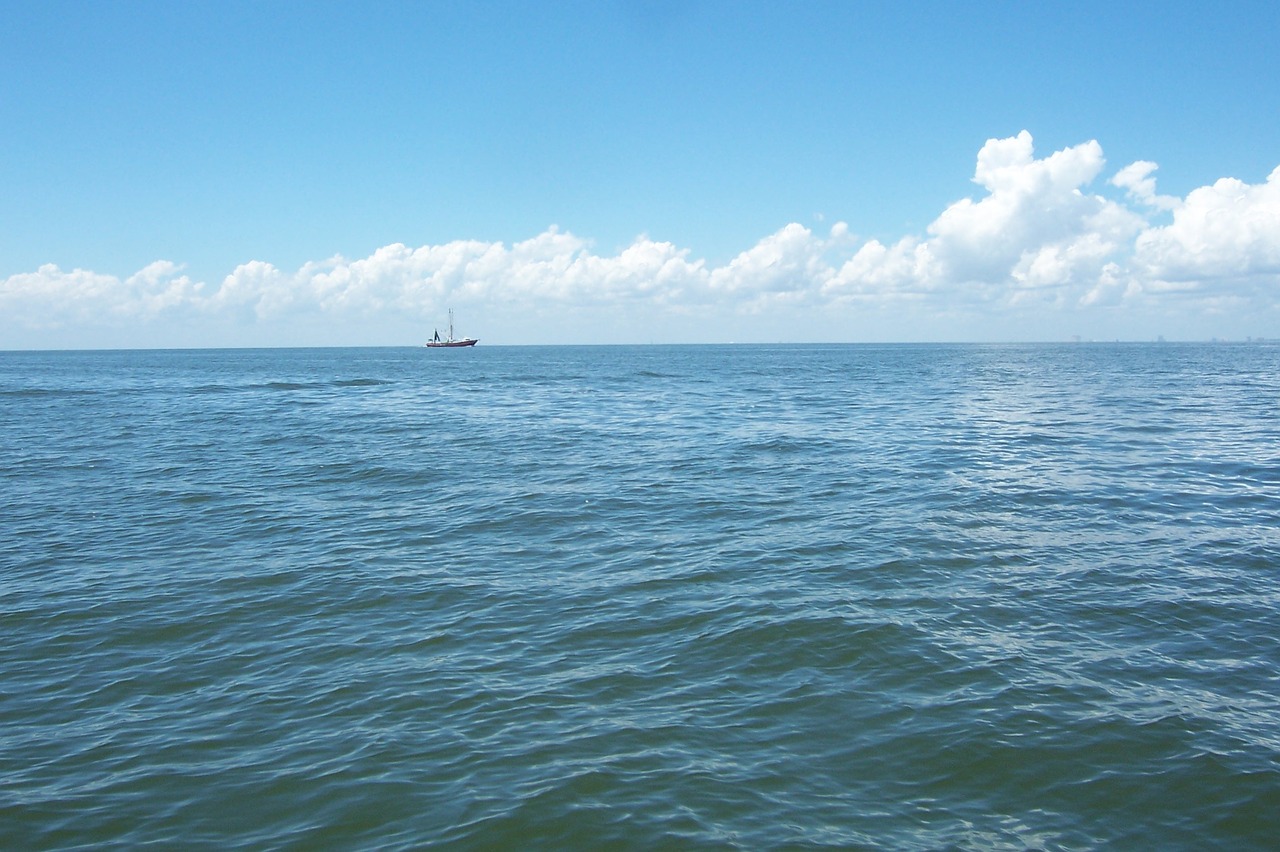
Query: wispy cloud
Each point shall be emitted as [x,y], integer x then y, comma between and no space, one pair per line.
[1036,235]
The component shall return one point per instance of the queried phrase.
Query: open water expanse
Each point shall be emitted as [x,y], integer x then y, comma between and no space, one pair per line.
[735,597]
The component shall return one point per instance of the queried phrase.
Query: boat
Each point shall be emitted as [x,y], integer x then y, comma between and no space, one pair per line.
[437,342]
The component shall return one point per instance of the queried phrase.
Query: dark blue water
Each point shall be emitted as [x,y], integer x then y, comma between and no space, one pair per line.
[900,597]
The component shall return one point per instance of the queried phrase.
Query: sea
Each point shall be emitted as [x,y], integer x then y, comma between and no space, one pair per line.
[905,597]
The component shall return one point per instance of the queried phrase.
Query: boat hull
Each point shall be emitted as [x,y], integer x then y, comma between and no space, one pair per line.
[452,344]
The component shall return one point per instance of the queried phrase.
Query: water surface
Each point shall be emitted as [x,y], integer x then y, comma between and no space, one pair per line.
[901,597]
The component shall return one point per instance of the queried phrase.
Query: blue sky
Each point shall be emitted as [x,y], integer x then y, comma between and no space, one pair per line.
[342,173]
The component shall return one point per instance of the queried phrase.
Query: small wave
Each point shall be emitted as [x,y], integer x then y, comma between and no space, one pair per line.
[292,386]
[39,393]
[776,444]
[286,386]
[359,383]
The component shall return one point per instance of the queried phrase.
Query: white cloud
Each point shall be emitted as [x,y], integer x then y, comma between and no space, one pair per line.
[786,265]
[53,298]
[1227,233]
[904,270]
[255,285]
[1035,228]
[1034,238]
[1137,180]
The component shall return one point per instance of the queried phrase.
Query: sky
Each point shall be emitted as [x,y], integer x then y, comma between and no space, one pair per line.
[344,173]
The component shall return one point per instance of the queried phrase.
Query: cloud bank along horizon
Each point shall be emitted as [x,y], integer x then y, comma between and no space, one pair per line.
[1041,238]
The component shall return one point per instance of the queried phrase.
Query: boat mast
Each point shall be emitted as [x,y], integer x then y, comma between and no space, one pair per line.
[451,324]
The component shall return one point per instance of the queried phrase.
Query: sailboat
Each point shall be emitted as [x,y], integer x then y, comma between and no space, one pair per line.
[436,342]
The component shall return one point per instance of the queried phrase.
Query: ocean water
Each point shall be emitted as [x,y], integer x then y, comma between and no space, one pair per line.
[703,597]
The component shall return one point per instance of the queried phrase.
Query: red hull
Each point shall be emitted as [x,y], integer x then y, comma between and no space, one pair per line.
[452,344]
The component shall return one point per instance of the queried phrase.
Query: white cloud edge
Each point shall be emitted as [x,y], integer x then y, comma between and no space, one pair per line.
[1036,236]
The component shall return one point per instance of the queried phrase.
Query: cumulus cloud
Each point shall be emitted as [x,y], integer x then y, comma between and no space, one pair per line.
[1036,228]
[1138,180]
[789,265]
[51,297]
[1034,233]
[905,270]
[1221,234]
